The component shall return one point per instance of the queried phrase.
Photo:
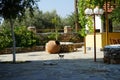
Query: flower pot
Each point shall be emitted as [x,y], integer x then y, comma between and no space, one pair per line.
[52,47]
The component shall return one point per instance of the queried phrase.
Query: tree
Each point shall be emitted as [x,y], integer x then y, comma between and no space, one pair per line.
[115,16]
[82,19]
[40,20]
[69,21]
[11,10]
[76,15]
[55,22]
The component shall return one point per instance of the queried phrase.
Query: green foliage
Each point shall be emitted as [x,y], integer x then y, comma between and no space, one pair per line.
[69,21]
[115,16]
[5,38]
[82,18]
[82,5]
[52,36]
[24,38]
[90,24]
[55,22]
[40,20]
[43,20]
[15,8]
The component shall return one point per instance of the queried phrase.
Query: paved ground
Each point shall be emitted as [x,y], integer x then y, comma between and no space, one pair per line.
[44,66]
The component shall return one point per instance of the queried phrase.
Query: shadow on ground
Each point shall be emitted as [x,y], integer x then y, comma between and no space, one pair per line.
[60,69]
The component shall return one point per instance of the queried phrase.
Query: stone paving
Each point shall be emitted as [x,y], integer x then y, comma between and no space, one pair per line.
[44,66]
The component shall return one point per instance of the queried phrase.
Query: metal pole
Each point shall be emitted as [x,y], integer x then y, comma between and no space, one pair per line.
[94,39]
[107,28]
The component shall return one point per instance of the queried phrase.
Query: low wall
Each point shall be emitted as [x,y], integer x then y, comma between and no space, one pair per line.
[63,37]
[63,48]
[21,50]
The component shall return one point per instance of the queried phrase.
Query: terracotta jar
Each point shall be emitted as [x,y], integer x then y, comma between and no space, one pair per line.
[52,47]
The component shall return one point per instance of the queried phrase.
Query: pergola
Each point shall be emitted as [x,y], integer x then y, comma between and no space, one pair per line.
[108,7]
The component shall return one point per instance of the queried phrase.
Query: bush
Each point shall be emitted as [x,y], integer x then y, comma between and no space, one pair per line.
[24,38]
[5,38]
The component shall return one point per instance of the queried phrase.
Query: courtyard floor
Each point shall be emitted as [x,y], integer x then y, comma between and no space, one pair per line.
[44,66]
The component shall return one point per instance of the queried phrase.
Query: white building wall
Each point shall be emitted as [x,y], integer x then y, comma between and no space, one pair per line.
[98,22]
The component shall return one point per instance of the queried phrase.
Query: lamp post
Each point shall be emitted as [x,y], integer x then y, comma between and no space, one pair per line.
[93,13]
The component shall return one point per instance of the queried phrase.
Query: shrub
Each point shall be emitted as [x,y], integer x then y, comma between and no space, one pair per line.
[5,38]
[24,38]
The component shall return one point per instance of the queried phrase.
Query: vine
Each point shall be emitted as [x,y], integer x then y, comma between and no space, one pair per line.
[82,5]
[82,18]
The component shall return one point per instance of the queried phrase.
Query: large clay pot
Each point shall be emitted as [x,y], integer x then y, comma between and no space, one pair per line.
[52,47]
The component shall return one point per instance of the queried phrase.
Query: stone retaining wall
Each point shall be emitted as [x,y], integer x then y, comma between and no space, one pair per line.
[63,48]
[20,50]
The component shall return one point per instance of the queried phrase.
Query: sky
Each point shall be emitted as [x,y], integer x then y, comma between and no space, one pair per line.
[63,7]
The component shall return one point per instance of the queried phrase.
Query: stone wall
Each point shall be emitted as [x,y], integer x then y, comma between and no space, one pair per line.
[23,50]
[64,37]
[63,48]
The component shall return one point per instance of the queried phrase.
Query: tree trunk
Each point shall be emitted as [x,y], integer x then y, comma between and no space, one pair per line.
[76,15]
[14,42]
